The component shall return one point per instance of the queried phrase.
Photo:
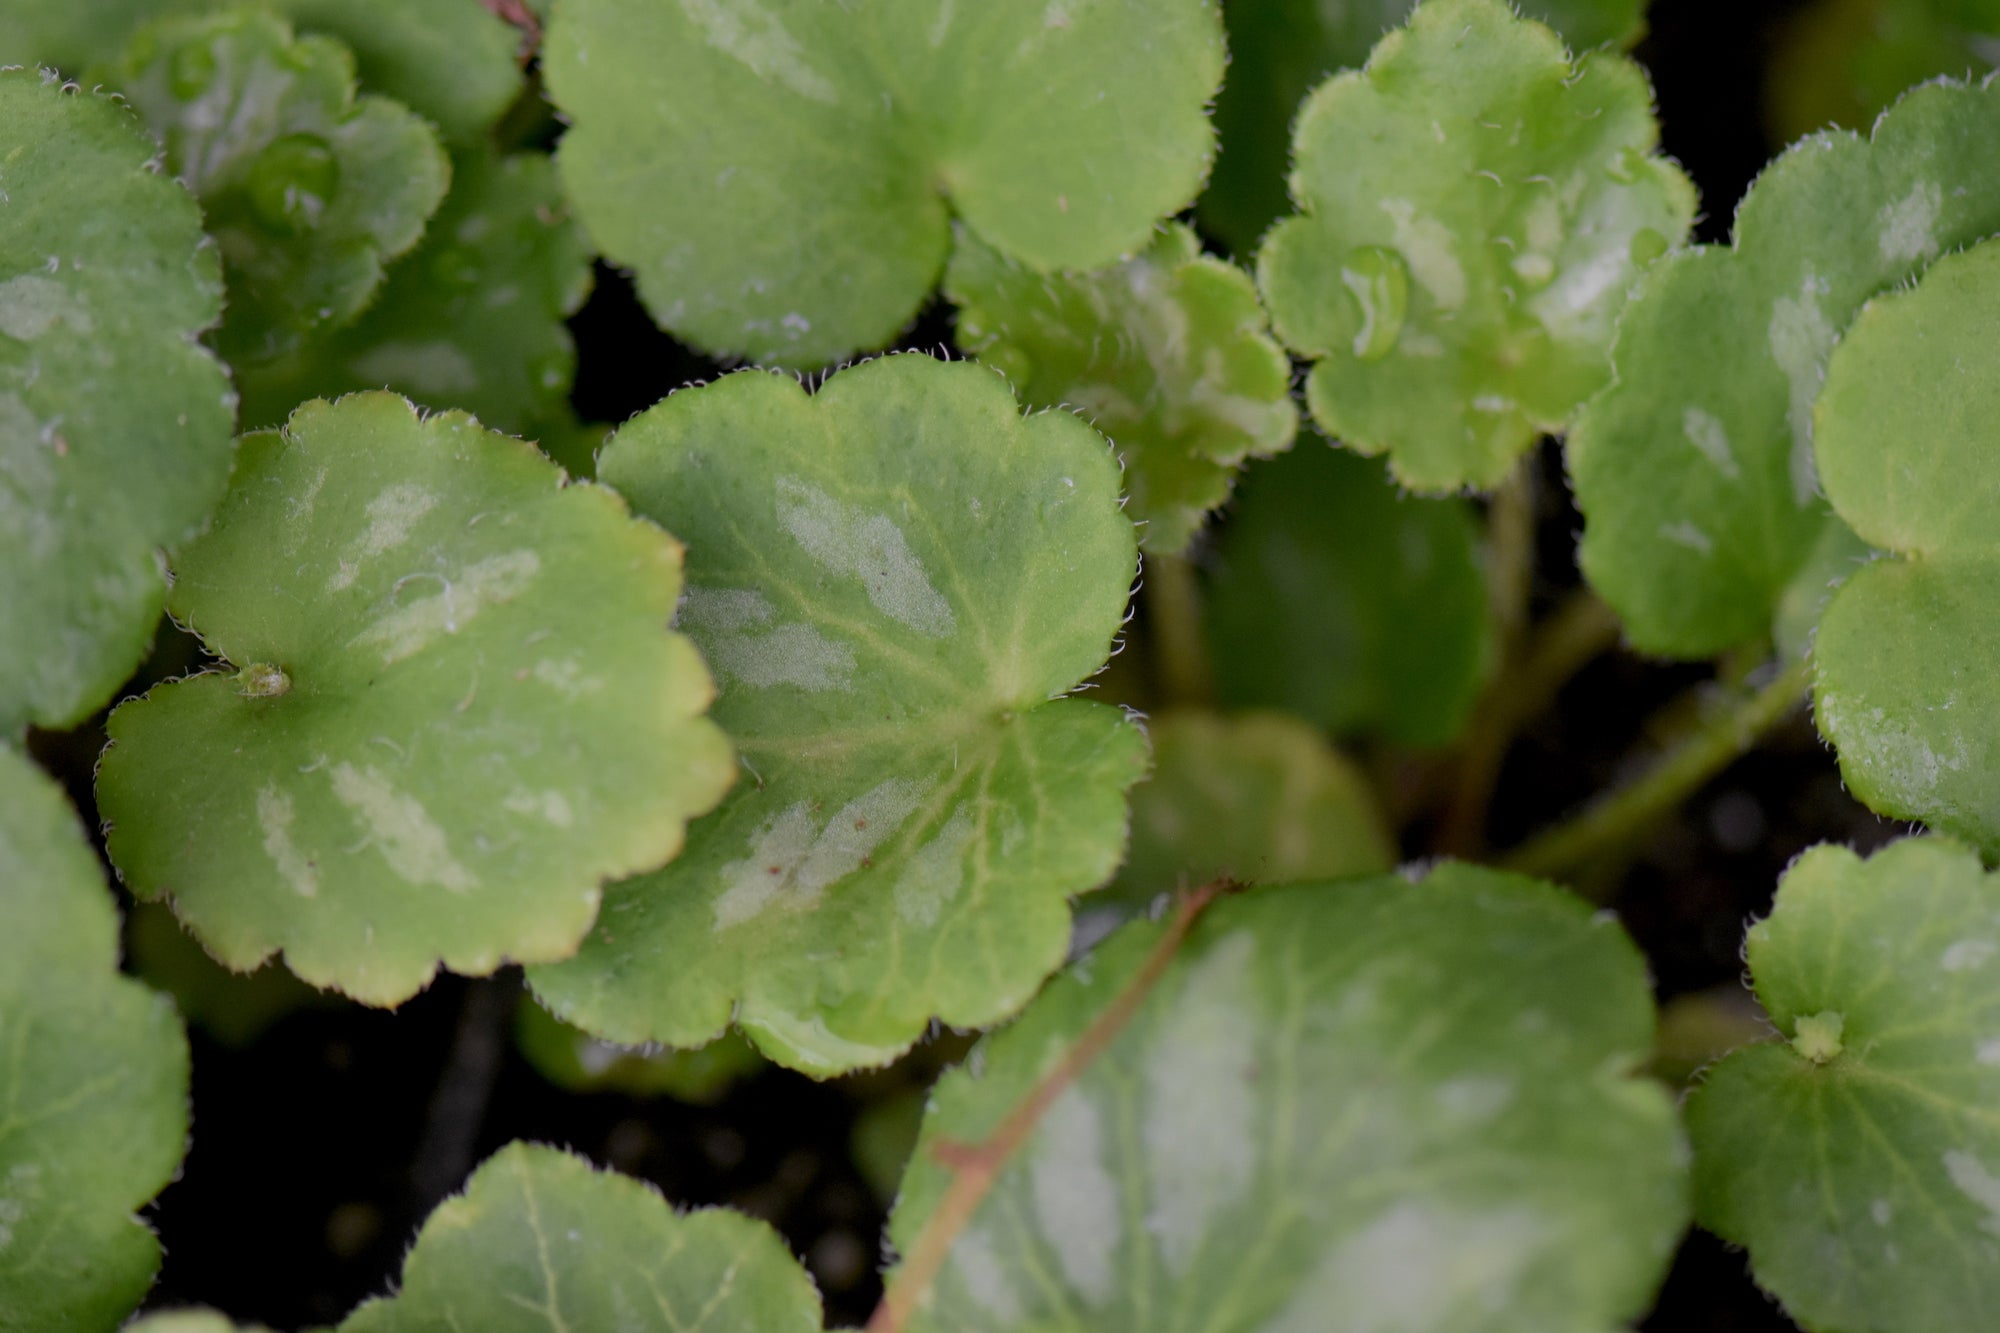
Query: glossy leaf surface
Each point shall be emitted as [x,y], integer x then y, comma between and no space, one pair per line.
[93,1092]
[449,710]
[1168,354]
[472,318]
[1449,326]
[1699,492]
[541,1242]
[114,425]
[780,174]
[895,580]
[1337,599]
[1360,1105]
[307,189]
[1857,1156]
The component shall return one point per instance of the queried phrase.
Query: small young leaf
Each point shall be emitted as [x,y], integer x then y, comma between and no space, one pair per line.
[1857,1156]
[1698,490]
[471,319]
[1259,797]
[1904,680]
[1279,50]
[114,424]
[1359,1105]
[1168,354]
[94,1084]
[1337,599]
[894,580]
[780,173]
[453,62]
[540,1242]
[454,708]
[307,189]
[1474,205]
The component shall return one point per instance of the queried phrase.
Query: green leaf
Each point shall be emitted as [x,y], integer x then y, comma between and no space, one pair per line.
[114,424]
[234,1008]
[454,709]
[1258,797]
[190,1321]
[780,173]
[69,35]
[307,189]
[1857,1156]
[1279,50]
[1473,207]
[93,1092]
[895,580]
[472,318]
[574,1060]
[1698,491]
[1168,354]
[1361,1105]
[540,1242]
[1904,683]
[1835,556]
[1840,62]
[1359,609]
[453,62]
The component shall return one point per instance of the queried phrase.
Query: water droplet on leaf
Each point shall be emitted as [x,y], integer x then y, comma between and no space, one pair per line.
[1647,245]
[1380,283]
[291,182]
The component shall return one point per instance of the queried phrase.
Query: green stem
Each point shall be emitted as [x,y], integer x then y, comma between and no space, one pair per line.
[1173,615]
[1510,556]
[1622,816]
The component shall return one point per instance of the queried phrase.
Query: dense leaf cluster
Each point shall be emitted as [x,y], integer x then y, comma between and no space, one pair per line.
[758,727]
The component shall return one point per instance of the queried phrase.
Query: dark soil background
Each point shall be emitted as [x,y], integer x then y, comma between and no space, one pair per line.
[319,1147]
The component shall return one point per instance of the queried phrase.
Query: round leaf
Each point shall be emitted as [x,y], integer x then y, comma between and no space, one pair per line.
[93,1091]
[894,580]
[780,173]
[1858,1156]
[472,318]
[307,189]
[114,424]
[454,708]
[1259,798]
[1698,491]
[1366,1105]
[1168,354]
[1904,681]
[540,1242]
[1337,599]
[1280,49]
[1473,207]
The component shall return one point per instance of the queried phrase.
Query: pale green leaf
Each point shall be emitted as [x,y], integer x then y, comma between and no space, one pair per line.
[472,318]
[1366,1105]
[780,174]
[1279,50]
[114,424]
[894,580]
[93,1091]
[1473,206]
[1857,1156]
[1335,598]
[1834,556]
[1258,797]
[1169,354]
[308,189]
[1698,491]
[190,1321]
[574,1060]
[540,1242]
[1904,680]
[449,708]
